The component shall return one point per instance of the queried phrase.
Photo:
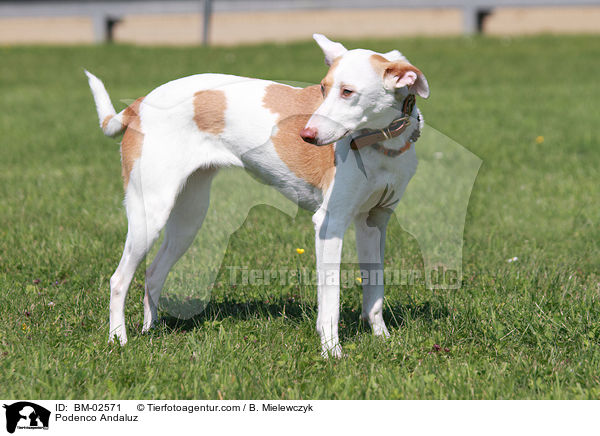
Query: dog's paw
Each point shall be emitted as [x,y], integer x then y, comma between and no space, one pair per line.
[381,331]
[334,352]
[122,342]
[147,327]
[121,339]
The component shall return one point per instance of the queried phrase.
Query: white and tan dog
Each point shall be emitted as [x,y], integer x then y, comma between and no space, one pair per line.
[304,141]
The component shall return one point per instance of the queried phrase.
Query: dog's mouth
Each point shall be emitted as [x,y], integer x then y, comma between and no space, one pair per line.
[323,143]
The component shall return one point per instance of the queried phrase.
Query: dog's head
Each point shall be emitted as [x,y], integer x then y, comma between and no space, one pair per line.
[360,91]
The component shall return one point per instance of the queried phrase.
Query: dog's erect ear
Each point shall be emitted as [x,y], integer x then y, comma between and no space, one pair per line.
[400,74]
[395,55]
[331,49]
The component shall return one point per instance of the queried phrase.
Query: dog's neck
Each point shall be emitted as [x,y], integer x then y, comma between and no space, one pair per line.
[398,136]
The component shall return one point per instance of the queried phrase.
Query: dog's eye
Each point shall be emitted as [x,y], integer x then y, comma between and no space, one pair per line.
[346,92]
[323,90]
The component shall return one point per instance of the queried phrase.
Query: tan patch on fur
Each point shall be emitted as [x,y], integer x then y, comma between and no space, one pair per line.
[315,164]
[209,111]
[379,62]
[106,120]
[327,81]
[384,67]
[131,145]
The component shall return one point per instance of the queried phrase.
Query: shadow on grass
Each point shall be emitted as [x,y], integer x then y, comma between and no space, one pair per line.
[295,311]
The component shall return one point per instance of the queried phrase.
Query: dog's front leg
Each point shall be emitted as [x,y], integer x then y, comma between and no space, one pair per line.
[329,233]
[370,244]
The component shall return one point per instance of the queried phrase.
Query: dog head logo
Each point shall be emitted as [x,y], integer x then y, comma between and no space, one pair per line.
[26,415]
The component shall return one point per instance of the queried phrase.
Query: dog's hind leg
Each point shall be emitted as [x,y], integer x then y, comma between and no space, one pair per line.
[184,222]
[370,244]
[148,207]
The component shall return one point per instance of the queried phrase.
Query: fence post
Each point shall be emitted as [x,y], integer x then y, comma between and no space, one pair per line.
[206,16]
[100,28]
[469,20]
[473,18]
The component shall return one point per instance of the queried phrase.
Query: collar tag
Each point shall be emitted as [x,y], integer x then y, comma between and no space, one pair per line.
[408,104]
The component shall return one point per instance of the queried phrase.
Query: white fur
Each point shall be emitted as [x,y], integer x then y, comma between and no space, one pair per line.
[104,106]
[170,183]
[331,50]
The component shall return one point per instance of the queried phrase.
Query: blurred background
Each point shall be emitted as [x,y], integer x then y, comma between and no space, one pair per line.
[234,22]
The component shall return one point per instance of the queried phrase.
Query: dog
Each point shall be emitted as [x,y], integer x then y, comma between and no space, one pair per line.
[343,149]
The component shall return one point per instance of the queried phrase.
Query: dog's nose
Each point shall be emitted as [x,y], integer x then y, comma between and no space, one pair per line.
[309,134]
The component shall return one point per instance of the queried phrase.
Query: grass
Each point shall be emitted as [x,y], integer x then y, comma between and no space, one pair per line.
[527,329]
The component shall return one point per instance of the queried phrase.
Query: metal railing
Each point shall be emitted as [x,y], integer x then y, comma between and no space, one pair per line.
[105,14]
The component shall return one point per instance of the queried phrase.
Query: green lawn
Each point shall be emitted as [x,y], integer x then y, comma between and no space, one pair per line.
[527,329]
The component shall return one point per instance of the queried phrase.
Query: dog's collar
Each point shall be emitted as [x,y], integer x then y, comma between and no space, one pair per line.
[395,129]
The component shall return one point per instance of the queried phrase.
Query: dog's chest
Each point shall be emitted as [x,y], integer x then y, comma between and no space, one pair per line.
[387,178]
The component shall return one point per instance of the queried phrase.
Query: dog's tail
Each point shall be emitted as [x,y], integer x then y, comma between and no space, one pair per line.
[111,122]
